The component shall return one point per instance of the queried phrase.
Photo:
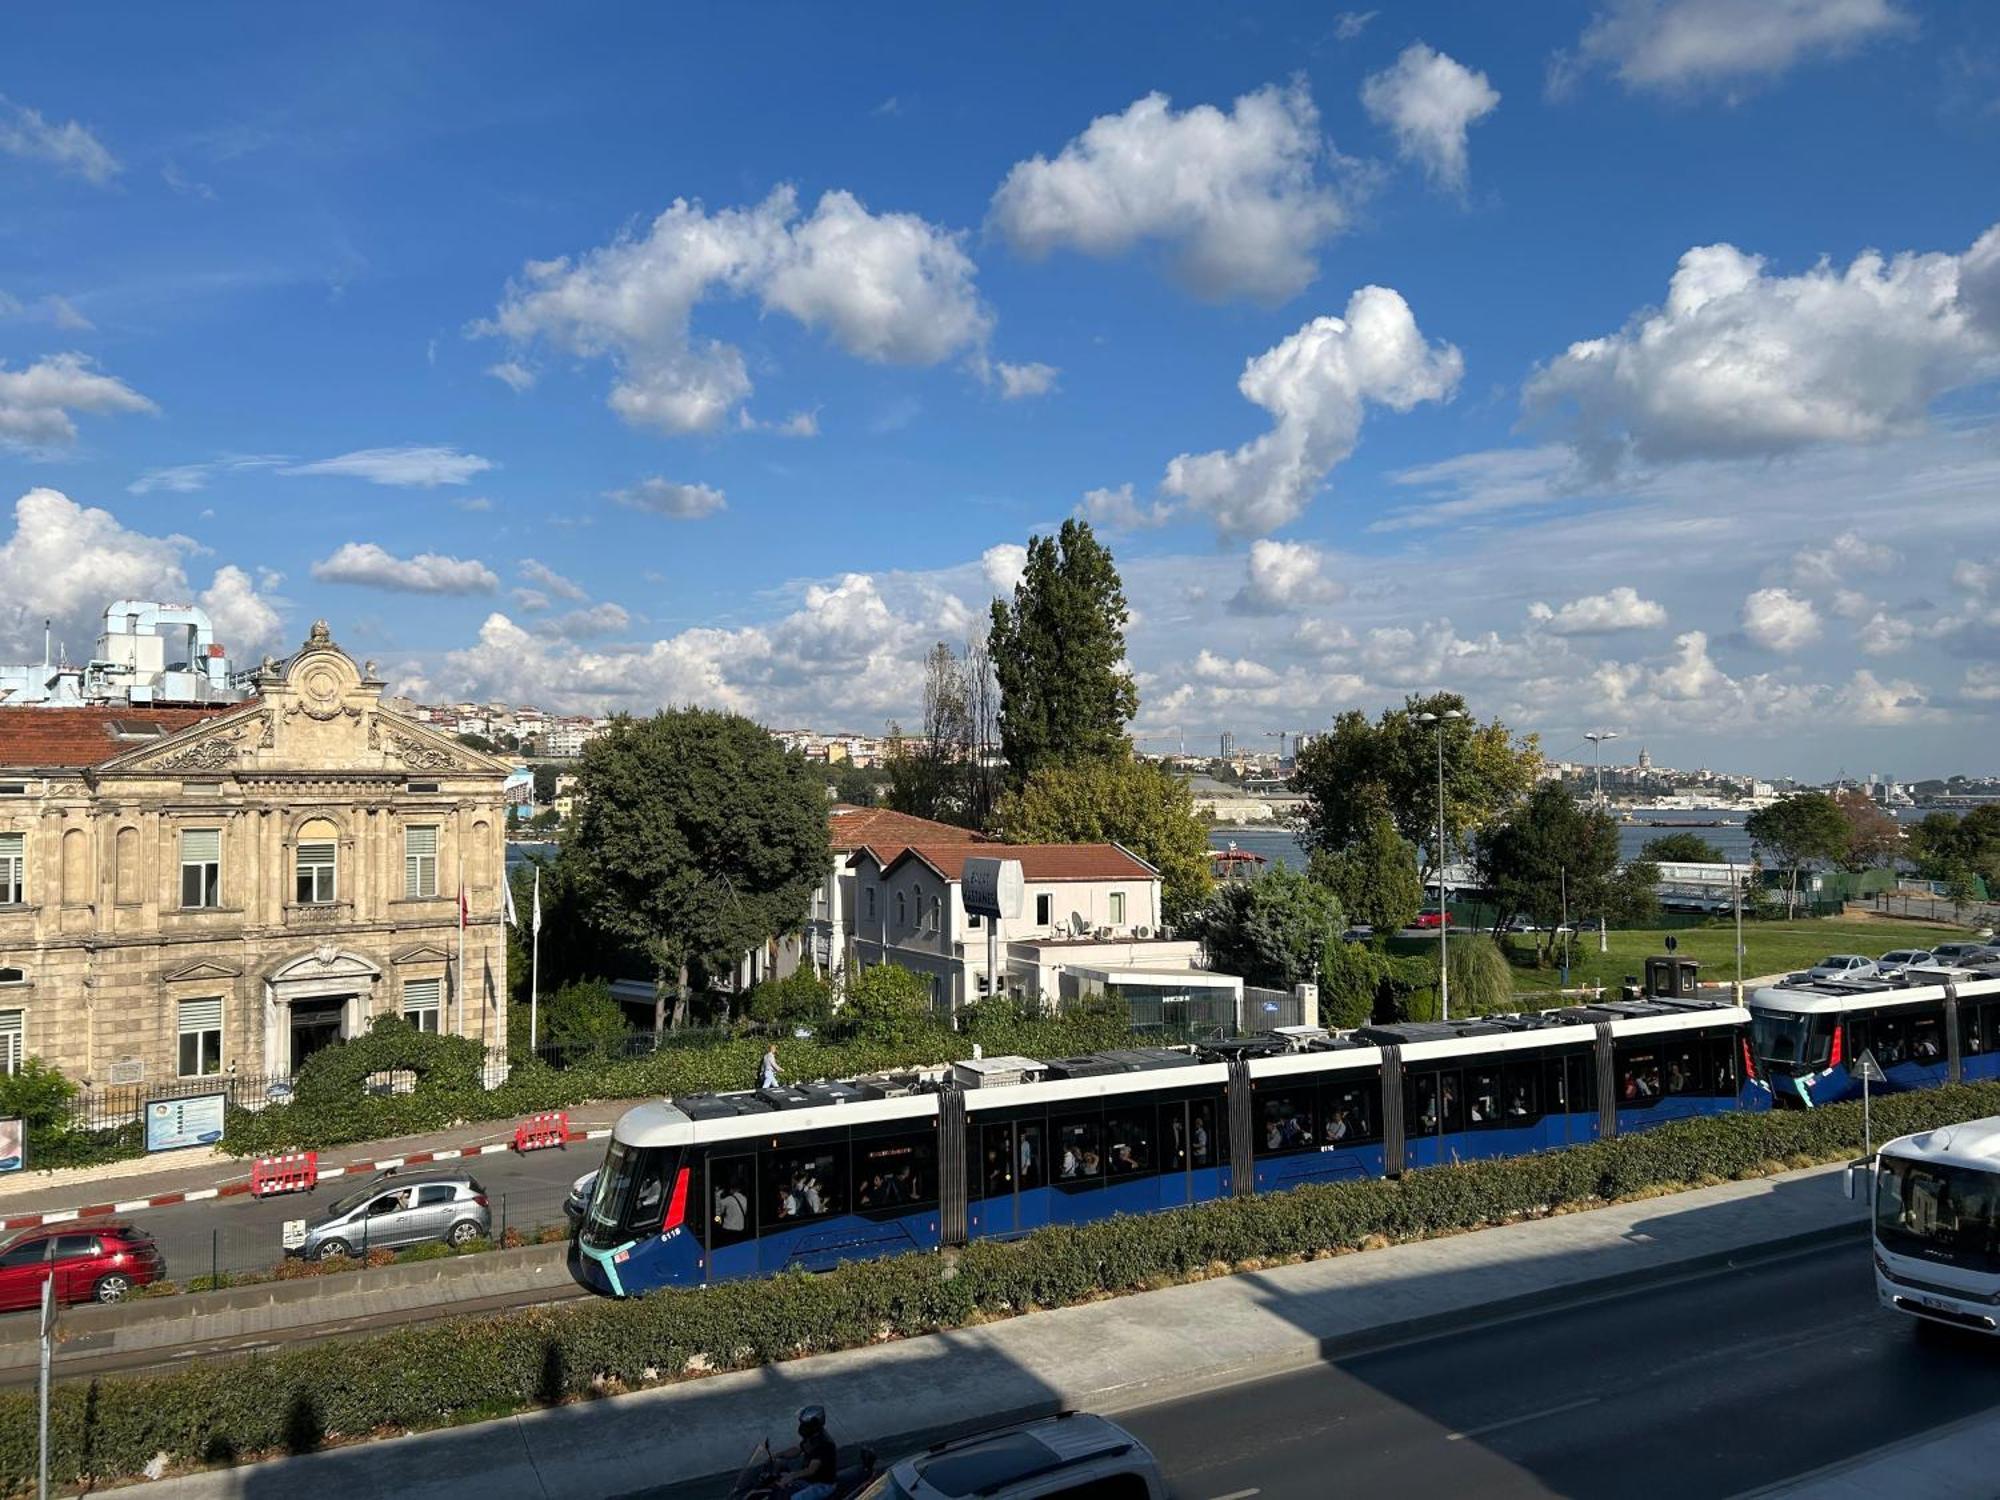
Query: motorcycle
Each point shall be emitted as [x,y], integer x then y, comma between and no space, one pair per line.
[761,1475]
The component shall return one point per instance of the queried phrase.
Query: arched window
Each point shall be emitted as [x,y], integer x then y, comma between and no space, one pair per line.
[76,867]
[902,910]
[11,975]
[317,858]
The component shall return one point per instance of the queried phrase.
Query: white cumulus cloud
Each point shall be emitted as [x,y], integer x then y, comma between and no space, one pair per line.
[580,624]
[664,497]
[1620,608]
[66,561]
[245,621]
[1316,385]
[1779,620]
[1237,198]
[1019,381]
[1672,45]
[1840,560]
[369,565]
[1282,576]
[1120,510]
[36,402]
[1429,101]
[540,573]
[887,287]
[414,466]
[1743,362]
[1003,564]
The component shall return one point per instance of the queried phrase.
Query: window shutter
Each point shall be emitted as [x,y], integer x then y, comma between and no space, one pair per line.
[201,846]
[201,1015]
[419,994]
[316,854]
[419,845]
[11,1040]
[13,845]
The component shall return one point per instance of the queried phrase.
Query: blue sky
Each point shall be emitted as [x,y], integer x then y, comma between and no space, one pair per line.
[635,355]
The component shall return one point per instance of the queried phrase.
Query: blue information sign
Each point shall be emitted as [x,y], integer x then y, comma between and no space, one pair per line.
[13,1153]
[172,1124]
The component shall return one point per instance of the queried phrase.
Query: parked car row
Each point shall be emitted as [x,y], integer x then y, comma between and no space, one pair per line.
[1899,960]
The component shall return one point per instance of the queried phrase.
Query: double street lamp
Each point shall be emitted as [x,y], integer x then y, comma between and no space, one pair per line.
[1444,906]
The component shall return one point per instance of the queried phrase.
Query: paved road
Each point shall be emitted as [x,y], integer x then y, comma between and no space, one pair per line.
[244,1234]
[1703,1387]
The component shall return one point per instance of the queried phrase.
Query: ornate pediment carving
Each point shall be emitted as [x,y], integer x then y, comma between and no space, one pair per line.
[418,752]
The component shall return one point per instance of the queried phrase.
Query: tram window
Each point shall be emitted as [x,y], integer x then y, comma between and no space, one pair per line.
[732,1211]
[1976,1026]
[1639,1077]
[1347,1115]
[1173,1137]
[1482,1097]
[1422,1103]
[1887,1035]
[1080,1153]
[1520,1096]
[898,1172]
[1284,1122]
[1033,1168]
[1128,1141]
[1203,1142]
[1451,1099]
[802,1183]
[1722,1051]
[1927,1036]
[993,1168]
[1684,1069]
[1555,1088]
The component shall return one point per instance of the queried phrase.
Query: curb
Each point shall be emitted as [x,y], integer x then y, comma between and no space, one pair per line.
[235,1189]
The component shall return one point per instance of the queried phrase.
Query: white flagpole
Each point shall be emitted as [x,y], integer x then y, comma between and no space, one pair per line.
[535,964]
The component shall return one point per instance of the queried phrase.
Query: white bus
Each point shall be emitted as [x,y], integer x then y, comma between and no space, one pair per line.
[1937,1225]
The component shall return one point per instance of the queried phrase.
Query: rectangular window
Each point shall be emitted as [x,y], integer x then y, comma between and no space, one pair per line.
[896,1174]
[1685,1073]
[315,883]
[1079,1151]
[201,867]
[801,1183]
[1117,903]
[972,921]
[1722,1082]
[1203,1138]
[420,863]
[422,1000]
[1285,1122]
[1433,1103]
[869,903]
[1520,1093]
[11,1031]
[1045,908]
[1638,1077]
[201,1037]
[1128,1140]
[732,1206]
[13,868]
[1347,1113]
[1482,1097]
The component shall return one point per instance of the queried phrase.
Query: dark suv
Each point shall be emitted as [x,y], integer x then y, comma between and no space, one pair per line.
[103,1263]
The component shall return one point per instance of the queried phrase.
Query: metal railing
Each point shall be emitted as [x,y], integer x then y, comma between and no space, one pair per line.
[1966,913]
[108,1106]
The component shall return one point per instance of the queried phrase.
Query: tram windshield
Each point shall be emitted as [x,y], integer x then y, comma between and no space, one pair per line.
[1940,1212]
[1786,1041]
[631,1194]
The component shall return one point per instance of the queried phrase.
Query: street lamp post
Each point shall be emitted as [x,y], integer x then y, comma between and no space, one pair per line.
[1444,906]
[1597,737]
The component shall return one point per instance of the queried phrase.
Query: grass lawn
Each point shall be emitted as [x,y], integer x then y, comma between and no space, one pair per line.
[1769,948]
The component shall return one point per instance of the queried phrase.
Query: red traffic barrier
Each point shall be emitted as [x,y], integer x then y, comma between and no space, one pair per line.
[295,1173]
[540,1131]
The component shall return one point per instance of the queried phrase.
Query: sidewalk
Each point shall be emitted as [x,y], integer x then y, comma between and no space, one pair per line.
[29,1199]
[1105,1356]
[1952,1463]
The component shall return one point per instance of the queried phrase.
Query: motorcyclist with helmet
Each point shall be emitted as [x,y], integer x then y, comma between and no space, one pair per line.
[818,1459]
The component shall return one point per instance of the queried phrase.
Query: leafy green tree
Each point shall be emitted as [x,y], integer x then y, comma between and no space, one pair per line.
[1873,837]
[1058,654]
[1123,800]
[1682,849]
[799,999]
[580,1019]
[886,1003]
[1375,877]
[1944,842]
[1803,829]
[1350,982]
[1361,770]
[1551,854]
[478,742]
[545,784]
[698,839]
[859,786]
[1271,930]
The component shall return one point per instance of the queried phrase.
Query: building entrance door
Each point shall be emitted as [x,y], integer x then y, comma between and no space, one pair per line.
[315,1024]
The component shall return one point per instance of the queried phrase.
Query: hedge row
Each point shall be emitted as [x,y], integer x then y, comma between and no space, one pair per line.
[331,1108]
[456,1370]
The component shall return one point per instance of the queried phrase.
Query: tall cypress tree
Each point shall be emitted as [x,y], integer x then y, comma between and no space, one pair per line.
[1059,656]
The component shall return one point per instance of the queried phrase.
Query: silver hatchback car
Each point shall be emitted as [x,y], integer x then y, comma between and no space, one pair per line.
[394,1211]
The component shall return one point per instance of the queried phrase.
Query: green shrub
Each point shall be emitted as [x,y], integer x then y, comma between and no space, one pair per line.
[1350,977]
[298,1398]
[801,999]
[887,1003]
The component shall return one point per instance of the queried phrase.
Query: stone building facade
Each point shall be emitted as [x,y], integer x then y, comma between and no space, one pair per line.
[187,892]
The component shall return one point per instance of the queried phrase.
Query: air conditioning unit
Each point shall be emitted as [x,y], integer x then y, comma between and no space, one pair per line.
[1142,932]
[131,1070]
[1102,933]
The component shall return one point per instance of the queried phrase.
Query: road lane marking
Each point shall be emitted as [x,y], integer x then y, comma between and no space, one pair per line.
[1533,1416]
[1238,1495]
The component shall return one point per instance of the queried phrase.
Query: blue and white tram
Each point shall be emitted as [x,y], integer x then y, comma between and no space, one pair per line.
[1925,1027]
[718,1186]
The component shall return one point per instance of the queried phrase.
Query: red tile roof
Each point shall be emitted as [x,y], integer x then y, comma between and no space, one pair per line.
[1038,861]
[51,737]
[850,827]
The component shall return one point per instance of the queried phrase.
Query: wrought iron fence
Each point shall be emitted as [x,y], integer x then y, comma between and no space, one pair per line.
[109,1106]
[1201,1016]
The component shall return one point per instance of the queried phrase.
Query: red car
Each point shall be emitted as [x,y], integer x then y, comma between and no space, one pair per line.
[101,1263]
[1429,920]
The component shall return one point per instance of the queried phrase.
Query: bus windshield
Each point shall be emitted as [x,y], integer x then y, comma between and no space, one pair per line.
[1940,1212]
[630,1196]
[1785,1041]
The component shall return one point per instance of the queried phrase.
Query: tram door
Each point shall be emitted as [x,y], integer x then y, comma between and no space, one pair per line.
[997,1165]
[1173,1138]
